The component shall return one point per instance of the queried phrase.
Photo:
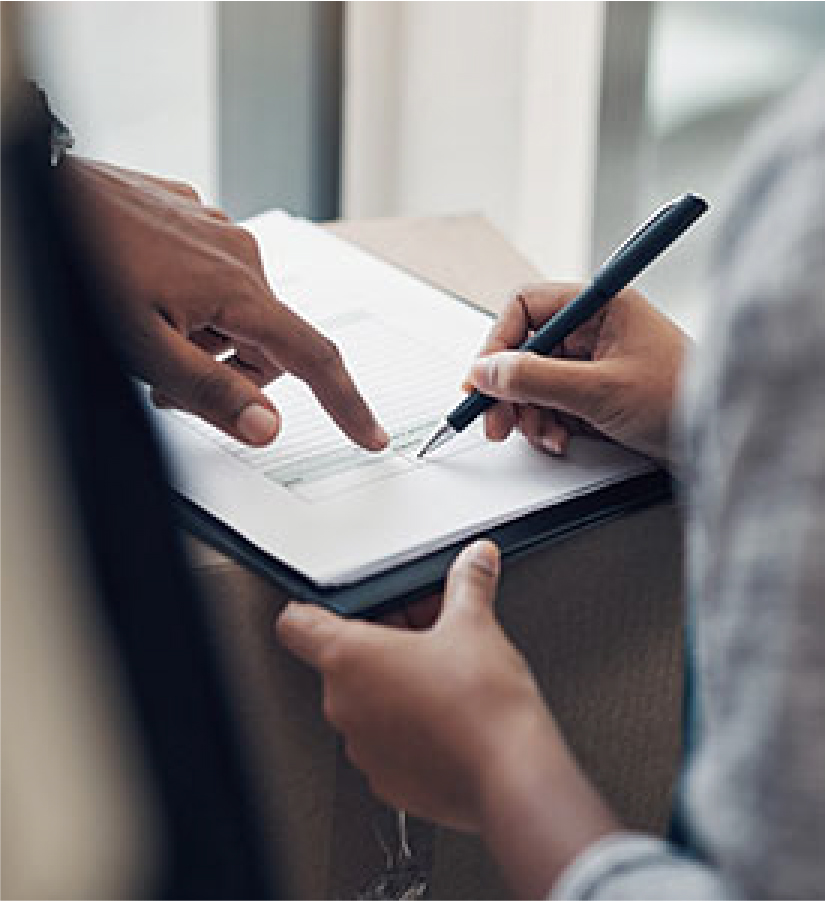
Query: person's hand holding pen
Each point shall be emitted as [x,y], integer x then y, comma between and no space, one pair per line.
[588,392]
[617,374]
[198,319]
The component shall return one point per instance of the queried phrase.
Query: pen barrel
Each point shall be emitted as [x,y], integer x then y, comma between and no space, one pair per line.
[472,406]
[649,243]
[566,320]
[555,330]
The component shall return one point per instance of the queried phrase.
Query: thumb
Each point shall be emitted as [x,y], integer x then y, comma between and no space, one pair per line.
[308,631]
[198,383]
[573,386]
[472,580]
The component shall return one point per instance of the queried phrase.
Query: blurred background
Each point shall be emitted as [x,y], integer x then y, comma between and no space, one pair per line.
[563,123]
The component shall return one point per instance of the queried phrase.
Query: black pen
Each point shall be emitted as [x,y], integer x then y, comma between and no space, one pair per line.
[616,273]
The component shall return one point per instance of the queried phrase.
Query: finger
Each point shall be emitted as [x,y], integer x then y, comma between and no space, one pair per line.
[307,631]
[161,400]
[247,361]
[256,366]
[211,341]
[573,425]
[555,439]
[472,580]
[529,423]
[322,639]
[182,189]
[526,311]
[258,378]
[543,430]
[499,421]
[142,179]
[573,386]
[215,213]
[194,381]
[554,434]
[294,345]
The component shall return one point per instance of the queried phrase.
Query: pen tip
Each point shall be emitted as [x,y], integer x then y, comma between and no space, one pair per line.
[441,436]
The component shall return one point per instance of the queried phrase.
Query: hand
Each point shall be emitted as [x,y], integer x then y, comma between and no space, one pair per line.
[616,375]
[446,722]
[422,711]
[193,287]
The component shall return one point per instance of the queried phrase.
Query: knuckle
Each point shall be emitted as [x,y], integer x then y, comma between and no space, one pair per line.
[217,213]
[186,190]
[523,375]
[517,298]
[604,402]
[515,307]
[478,575]
[244,243]
[529,290]
[495,374]
[242,310]
[325,355]
[211,391]
[506,376]
[332,657]
[470,573]
[510,374]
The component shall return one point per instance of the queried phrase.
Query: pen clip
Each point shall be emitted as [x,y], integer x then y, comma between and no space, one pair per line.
[649,223]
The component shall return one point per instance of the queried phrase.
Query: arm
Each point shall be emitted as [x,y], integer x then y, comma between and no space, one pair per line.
[446,722]
[192,288]
[455,729]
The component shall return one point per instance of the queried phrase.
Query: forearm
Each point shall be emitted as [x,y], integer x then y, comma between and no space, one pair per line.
[542,819]
[539,812]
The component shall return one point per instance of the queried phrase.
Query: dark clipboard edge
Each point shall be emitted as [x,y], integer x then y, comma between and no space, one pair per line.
[408,582]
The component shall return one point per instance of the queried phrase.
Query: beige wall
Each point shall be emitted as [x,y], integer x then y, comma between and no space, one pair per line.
[490,107]
[135,80]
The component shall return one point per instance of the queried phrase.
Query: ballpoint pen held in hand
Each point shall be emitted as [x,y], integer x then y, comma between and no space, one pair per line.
[618,271]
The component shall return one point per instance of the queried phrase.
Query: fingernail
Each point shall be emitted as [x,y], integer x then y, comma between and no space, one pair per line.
[467,386]
[379,438]
[480,374]
[552,444]
[485,555]
[257,424]
[292,615]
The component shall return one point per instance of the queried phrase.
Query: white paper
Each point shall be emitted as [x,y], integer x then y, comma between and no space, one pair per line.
[322,505]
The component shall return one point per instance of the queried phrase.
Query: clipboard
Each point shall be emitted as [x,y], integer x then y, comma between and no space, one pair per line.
[402,585]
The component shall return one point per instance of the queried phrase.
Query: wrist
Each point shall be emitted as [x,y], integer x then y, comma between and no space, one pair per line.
[538,811]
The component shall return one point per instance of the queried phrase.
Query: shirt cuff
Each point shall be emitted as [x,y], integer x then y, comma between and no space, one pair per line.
[615,855]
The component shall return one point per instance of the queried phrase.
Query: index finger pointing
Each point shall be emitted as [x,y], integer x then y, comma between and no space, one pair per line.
[320,364]
[294,345]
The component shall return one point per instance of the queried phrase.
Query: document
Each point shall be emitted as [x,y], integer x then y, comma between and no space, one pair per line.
[327,508]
